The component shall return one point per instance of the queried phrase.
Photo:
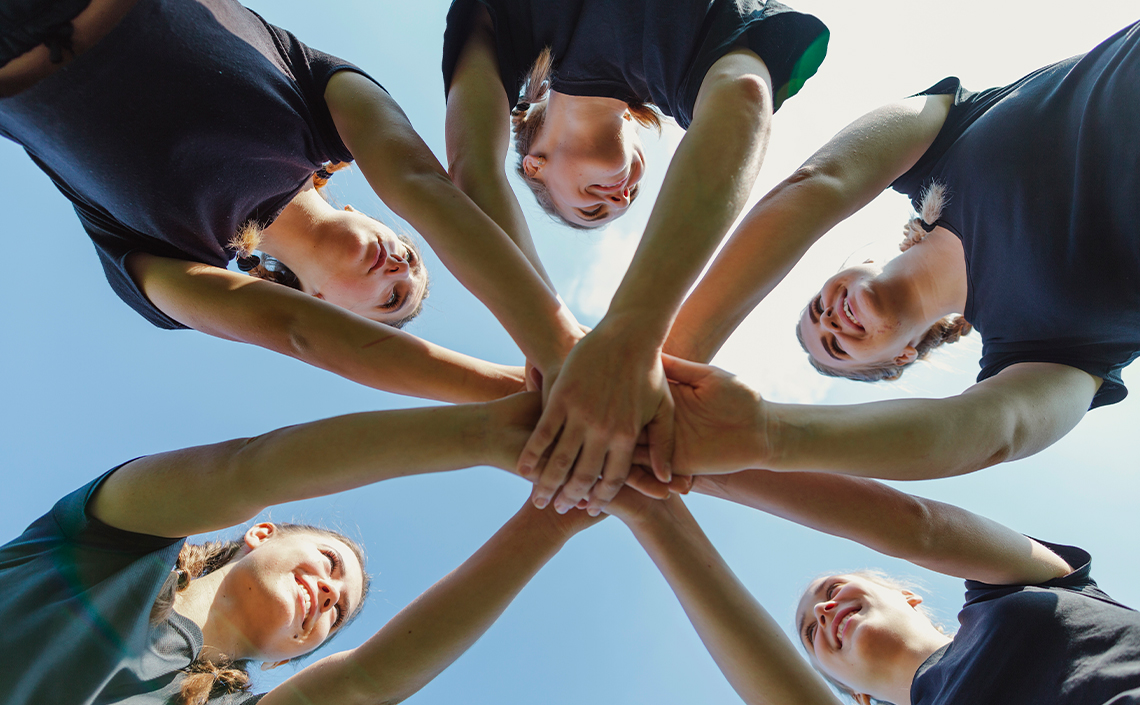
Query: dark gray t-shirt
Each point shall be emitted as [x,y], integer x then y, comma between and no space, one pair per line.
[75,603]
[190,118]
[1044,192]
[1064,642]
[653,51]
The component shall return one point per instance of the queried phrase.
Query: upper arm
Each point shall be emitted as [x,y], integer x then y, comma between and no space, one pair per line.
[865,157]
[477,126]
[1027,407]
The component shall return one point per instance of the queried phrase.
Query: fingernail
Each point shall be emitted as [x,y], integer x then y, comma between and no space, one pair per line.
[541,502]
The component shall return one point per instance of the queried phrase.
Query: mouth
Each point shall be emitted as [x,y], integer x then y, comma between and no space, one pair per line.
[849,314]
[840,624]
[381,256]
[308,605]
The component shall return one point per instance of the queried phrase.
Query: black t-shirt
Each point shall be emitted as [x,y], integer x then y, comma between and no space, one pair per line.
[654,51]
[1044,192]
[190,118]
[75,603]
[1064,642]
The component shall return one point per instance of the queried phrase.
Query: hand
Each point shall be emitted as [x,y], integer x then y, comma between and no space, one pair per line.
[564,525]
[507,424]
[533,377]
[610,388]
[641,479]
[718,420]
[634,508]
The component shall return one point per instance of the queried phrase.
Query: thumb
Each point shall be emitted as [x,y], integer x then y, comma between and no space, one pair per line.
[684,371]
[661,440]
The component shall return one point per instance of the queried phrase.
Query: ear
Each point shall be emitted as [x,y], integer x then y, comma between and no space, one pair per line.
[532,165]
[270,665]
[912,599]
[350,209]
[259,534]
[868,261]
[862,698]
[907,356]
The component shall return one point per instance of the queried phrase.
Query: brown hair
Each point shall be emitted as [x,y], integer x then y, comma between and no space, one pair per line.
[206,678]
[529,114]
[948,329]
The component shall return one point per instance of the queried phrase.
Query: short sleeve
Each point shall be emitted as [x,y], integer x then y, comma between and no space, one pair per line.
[1093,359]
[791,44]
[1079,580]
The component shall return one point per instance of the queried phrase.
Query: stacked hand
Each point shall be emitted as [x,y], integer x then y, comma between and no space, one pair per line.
[607,392]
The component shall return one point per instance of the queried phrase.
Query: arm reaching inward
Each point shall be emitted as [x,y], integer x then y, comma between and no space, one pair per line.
[723,426]
[612,385]
[843,176]
[237,307]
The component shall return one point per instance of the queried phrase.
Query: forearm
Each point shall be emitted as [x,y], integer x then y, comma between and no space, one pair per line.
[766,245]
[746,643]
[487,186]
[934,535]
[491,266]
[439,626]
[708,182]
[176,493]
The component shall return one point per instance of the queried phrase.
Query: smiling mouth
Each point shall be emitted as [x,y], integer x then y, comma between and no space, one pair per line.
[381,256]
[841,626]
[307,602]
[849,314]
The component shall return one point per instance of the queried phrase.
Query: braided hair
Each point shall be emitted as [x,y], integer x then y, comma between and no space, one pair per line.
[210,678]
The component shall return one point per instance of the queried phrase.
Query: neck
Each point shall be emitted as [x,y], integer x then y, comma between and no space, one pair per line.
[932,276]
[578,117]
[203,602]
[896,688]
[295,235]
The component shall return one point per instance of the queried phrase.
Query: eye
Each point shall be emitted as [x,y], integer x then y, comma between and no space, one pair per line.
[410,255]
[393,302]
[836,347]
[809,634]
[817,305]
[334,564]
[590,214]
[831,590]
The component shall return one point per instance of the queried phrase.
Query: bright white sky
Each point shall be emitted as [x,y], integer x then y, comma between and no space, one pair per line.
[89,384]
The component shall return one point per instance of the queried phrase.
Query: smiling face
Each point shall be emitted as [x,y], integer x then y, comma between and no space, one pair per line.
[364,267]
[592,176]
[856,322]
[859,630]
[291,591]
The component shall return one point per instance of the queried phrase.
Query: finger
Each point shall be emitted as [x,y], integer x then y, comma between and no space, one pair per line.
[684,371]
[583,476]
[661,440]
[561,460]
[534,380]
[546,432]
[641,455]
[681,484]
[648,485]
[614,475]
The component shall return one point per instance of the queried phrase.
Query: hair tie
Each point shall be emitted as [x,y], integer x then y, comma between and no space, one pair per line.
[246,263]
[928,227]
[522,106]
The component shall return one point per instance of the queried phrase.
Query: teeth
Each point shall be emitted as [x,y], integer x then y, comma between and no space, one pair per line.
[847,310]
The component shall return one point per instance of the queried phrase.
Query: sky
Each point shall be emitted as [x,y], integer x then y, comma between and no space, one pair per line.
[88,384]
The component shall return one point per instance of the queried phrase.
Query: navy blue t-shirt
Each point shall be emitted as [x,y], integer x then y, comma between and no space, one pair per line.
[190,118]
[1063,642]
[652,51]
[75,603]
[1044,192]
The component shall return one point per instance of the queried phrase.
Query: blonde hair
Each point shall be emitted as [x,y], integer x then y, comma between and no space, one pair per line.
[529,114]
[948,329]
[206,678]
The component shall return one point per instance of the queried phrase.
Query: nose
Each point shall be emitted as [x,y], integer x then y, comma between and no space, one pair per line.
[830,318]
[823,612]
[328,594]
[396,265]
[620,199]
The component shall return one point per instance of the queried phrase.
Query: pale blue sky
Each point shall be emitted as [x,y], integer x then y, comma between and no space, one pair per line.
[87,383]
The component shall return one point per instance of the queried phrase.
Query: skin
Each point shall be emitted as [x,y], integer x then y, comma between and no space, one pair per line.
[252,607]
[282,597]
[589,156]
[872,315]
[346,258]
[868,636]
